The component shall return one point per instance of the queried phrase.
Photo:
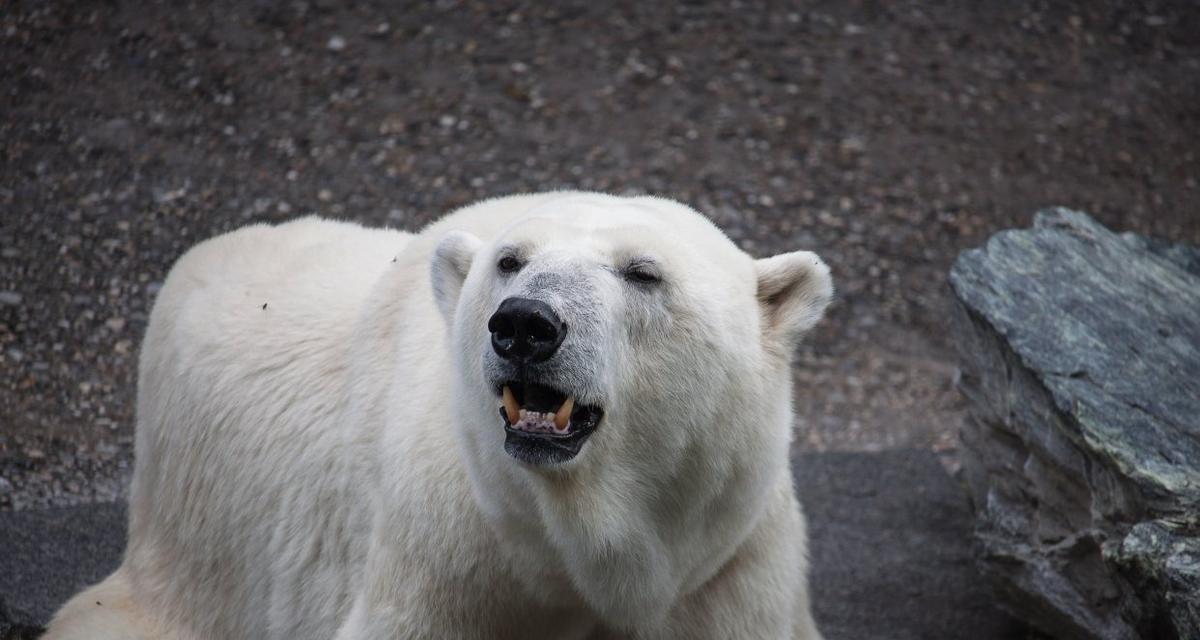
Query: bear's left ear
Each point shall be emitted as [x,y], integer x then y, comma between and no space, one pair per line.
[793,291]
[451,262]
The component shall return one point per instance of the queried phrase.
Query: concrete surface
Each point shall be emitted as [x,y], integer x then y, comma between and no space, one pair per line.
[48,555]
[890,536]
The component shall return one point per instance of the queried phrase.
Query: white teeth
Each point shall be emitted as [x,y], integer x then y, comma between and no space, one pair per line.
[558,422]
[511,409]
[563,416]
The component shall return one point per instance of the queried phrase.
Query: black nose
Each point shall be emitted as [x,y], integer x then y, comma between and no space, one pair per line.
[525,330]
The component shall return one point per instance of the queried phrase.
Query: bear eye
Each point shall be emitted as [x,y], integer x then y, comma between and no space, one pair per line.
[508,264]
[642,274]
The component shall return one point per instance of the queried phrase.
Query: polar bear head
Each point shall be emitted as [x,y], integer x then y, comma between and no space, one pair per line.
[594,329]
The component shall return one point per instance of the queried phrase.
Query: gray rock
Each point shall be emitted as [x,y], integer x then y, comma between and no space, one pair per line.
[1080,351]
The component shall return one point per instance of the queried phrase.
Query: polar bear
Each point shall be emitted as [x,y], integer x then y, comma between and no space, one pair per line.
[562,415]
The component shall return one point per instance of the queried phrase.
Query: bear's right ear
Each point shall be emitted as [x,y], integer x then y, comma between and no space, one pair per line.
[793,291]
[451,262]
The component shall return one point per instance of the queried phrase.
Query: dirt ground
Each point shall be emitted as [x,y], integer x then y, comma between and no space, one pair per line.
[887,138]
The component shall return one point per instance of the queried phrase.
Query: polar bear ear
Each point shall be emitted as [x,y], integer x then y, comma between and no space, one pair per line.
[451,262]
[793,291]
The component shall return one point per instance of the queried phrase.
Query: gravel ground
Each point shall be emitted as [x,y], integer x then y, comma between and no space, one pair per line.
[885,138]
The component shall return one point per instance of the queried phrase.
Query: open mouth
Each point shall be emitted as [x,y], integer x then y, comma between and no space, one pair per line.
[543,425]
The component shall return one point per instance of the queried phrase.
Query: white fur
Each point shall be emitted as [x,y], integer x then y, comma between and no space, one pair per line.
[319,454]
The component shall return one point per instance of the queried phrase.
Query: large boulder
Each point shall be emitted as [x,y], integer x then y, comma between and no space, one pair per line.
[1080,352]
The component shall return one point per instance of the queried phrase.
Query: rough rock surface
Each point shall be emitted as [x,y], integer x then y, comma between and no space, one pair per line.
[1081,359]
[889,533]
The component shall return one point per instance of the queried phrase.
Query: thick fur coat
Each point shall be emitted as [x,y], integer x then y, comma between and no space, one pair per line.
[322,447]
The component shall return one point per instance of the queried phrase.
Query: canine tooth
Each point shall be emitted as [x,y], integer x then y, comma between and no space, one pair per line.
[563,415]
[511,408]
